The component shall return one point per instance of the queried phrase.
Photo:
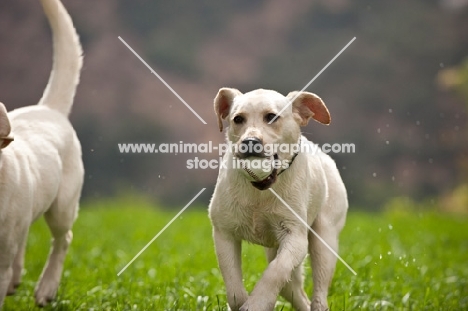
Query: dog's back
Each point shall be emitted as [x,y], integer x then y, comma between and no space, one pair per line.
[46,144]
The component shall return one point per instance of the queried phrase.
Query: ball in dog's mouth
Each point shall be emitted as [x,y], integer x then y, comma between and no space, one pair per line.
[267,182]
[262,175]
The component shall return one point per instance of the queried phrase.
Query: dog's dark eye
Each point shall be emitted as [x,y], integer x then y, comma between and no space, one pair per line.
[238,119]
[271,116]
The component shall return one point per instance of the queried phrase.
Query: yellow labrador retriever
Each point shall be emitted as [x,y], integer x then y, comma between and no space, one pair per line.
[41,171]
[241,209]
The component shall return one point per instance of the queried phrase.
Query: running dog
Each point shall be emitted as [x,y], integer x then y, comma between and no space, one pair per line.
[310,187]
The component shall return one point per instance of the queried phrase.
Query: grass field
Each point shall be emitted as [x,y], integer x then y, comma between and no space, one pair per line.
[404,261]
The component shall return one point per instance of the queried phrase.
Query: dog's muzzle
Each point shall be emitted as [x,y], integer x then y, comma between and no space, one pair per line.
[253,147]
[250,147]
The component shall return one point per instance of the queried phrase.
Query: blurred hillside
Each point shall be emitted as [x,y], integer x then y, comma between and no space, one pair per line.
[411,135]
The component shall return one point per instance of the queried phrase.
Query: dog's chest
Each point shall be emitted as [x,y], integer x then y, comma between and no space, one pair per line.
[259,226]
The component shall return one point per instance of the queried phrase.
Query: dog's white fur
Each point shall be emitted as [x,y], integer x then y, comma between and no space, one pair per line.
[41,171]
[312,186]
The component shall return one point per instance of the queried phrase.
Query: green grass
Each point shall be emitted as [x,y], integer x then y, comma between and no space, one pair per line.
[404,261]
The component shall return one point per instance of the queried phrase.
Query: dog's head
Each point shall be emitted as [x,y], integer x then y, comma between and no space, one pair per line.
[255,119]
[5,128]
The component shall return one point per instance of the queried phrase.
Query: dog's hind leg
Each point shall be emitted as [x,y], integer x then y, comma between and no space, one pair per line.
[18,264]
[323,261]
[47,286]
[59,218]
[293,291]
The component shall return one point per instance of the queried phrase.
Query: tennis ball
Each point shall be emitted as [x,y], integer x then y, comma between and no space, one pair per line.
[256,169]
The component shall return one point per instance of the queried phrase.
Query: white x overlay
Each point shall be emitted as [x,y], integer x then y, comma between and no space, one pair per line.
[271,190]
[162,80]
[160,232]
[313,231]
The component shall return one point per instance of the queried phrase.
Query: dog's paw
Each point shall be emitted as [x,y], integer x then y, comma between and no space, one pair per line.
[12,288]
[235,301]
[246,307]
[250,305]
[45,293]
[43,300]
[318,305]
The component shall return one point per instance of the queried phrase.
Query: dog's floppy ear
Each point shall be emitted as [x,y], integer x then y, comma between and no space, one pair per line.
[5,128]
[223,102]
[308,105]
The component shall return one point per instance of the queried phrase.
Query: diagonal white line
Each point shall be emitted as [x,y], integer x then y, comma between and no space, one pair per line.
[313,232]
[313,79]
[160,232]
[162,80]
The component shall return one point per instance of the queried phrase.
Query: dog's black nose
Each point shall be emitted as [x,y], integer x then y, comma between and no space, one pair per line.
[251,147]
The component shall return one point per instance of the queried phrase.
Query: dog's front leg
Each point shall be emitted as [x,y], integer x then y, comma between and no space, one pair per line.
[228,251]
[291,253]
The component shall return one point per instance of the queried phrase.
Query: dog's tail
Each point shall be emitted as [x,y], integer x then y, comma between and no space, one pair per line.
[67,59]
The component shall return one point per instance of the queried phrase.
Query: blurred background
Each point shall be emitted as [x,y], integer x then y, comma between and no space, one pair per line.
[399,92]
